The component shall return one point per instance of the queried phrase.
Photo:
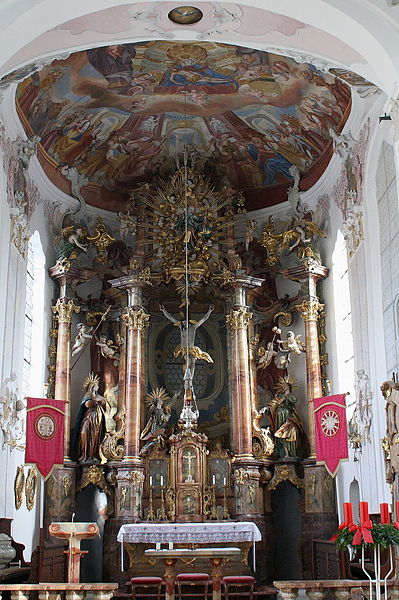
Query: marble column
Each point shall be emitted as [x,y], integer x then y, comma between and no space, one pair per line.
[309,308]
[237,322]
[136,321]
[63,311]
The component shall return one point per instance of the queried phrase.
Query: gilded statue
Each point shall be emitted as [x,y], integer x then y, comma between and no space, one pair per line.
[159,405]
[101,240]
[264,446]
[90,423]
[299,237]
[187,348]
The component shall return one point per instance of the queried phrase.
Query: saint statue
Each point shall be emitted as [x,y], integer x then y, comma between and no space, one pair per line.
[159,406]
[90,424]
[286,426]
[187,348]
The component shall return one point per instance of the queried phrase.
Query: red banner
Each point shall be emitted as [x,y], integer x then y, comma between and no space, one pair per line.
[331,431]
[45,434]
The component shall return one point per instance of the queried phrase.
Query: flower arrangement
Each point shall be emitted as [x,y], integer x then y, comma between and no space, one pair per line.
[383,534]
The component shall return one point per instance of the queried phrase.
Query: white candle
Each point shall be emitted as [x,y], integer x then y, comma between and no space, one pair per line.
[213,479]
[161,480]
[224,481]
[150,479]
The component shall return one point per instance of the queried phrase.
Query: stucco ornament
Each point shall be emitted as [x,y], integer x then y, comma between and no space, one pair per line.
[12,414]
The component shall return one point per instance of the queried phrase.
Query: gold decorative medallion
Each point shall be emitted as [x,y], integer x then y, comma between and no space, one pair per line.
[185,15]
[19,484]
[31,488]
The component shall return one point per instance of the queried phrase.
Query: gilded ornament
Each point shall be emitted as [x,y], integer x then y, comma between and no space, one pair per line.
[141,276]
[135,318]
[111,447]
[238,318]
[241,476]
[66,485]
[135,477]
[63,311]
[19,485]
[285,473]
[31,488]
[309,309]
[101,239]
[285,316]
[94,476]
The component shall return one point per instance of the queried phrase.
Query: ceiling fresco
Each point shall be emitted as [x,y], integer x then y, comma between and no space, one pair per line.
[120,113]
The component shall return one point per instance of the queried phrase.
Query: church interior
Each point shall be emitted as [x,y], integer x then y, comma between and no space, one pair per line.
[199,238]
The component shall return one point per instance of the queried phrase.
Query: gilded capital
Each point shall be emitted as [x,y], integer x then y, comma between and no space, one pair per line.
[238,318]
[63,311]
[309,309]
[135,318]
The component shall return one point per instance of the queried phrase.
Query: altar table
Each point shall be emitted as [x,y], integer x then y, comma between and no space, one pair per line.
[190,533]
[215,555]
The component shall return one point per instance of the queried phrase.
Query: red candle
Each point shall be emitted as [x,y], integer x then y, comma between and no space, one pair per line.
[364,512]
[348,513]
[384,511]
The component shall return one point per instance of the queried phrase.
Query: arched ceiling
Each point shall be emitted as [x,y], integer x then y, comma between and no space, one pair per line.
[121,113]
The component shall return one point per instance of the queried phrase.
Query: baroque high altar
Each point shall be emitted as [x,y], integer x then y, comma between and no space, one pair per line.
[174,330]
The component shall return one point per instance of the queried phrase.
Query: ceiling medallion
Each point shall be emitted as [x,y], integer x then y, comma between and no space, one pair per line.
[185,15]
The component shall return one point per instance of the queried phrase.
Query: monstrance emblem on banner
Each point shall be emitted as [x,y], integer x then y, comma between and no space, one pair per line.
[331,431]
[45,434]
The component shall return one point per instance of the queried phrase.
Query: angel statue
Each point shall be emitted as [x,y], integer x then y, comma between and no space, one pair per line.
[82,338]
[265,355]
[159,405]
[187,348]
[70,242]
[292,345]
[107,348]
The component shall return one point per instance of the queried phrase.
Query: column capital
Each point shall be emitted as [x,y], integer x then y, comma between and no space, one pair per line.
[238,318]
[310,308]
[63,311]
[135,318]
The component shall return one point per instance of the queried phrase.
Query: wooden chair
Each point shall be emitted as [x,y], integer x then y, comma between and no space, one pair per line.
[238,586]
[145,583]
[192,579]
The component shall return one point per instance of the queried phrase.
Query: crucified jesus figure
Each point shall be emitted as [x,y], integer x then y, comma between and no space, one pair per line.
[187,348]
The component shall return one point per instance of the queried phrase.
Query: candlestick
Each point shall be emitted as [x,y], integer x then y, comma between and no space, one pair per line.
[162,513]
[348,513]
[150,514]
[364,512]
[384,512]
[225,509]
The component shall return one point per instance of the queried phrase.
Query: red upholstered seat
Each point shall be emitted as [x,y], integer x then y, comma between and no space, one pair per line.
[192,577]
[140,585]
[238,586]
[238,579]
[146,580]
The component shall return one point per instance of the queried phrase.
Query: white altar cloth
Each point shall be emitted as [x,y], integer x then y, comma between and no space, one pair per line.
[190,533]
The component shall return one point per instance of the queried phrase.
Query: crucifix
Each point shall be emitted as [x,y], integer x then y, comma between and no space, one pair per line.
[189,458]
